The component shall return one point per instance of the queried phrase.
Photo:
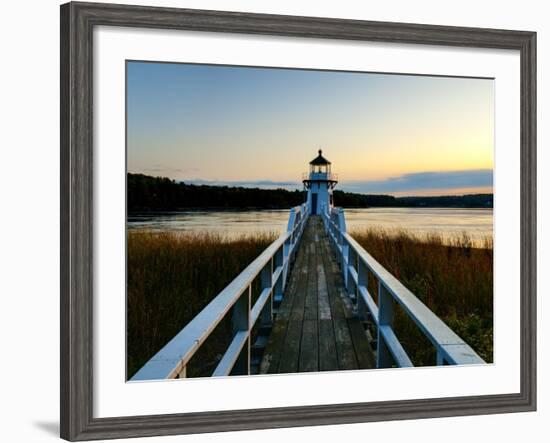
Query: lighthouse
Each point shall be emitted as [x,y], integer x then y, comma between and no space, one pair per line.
[319,183]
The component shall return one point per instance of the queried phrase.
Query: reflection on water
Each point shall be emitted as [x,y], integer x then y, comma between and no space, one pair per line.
[225,222]
[448,222]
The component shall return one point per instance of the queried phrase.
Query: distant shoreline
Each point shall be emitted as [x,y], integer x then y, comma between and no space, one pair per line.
[146,194]
[237,209]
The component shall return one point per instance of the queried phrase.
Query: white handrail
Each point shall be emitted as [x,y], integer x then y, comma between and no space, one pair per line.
[272,266]
[356,265]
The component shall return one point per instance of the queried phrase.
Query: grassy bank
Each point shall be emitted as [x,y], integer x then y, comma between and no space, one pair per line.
[454,279]
[171,278]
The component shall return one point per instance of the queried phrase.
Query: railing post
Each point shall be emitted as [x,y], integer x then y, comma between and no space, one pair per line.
[351,261]
[362,281]
[266,277]
[298,228]
[344,258]
[341,220]
[280,284]
[291,224]
[385,318]
[440,360]
[286,259]
[241,322]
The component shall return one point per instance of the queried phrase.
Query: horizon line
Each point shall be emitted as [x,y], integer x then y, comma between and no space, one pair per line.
[280,185]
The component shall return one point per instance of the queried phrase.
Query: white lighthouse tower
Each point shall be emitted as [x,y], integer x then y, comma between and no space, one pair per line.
[319,184]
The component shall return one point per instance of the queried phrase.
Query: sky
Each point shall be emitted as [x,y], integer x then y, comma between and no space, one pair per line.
[246,126]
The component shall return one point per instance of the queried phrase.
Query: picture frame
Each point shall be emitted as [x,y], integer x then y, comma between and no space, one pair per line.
[78,21]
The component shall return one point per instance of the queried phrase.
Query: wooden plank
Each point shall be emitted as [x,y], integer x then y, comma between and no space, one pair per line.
[363,351]
[272,352]
[275,350]
[328,360]
[344,347]
[301,276]
[341,304]
[309,347]
[290,351]
[299,298]
[317,335]
[336,306]
[310,308]
[322,293]
[345,352]
[298,262]
[345,302]
[290,292]
[331,275]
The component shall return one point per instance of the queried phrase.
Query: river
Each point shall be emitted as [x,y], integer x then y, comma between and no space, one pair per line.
[447,222]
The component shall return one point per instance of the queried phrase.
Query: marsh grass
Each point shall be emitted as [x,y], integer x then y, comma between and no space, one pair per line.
[171,278]
[453,277]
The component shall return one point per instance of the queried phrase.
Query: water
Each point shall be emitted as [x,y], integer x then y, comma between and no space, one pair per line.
[447,222]
[233,223]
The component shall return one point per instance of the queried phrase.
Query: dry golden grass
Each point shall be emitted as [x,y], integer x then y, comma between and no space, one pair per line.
[453,278]
[171,278]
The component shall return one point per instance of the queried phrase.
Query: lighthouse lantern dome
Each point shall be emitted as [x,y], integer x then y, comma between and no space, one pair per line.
[319,183]
[319,164]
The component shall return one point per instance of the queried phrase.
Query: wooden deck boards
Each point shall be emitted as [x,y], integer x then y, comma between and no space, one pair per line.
[315,328]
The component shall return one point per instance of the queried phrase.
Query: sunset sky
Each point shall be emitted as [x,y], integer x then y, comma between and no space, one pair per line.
[390,134]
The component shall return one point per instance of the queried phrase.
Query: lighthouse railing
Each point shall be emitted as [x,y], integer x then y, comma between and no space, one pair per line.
[358,267]
[332,176]
[272,267]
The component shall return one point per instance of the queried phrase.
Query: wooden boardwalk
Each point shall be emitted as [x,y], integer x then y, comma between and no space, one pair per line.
[315,328]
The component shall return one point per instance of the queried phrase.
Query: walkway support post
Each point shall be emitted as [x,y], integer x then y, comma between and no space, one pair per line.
[266,284]
[385,320]
[241,323]
[351,267]
[362,281]
[279,262]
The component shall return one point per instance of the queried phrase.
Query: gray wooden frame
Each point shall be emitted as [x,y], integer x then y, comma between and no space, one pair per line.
[77,24]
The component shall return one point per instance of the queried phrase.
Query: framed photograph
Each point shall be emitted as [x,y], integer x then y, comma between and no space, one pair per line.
[272,221]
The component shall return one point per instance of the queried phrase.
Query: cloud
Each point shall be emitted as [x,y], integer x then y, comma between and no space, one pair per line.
[264,184]
[421,181]
[163,169]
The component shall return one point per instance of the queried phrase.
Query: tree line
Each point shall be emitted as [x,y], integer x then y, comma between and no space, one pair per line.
[146,193]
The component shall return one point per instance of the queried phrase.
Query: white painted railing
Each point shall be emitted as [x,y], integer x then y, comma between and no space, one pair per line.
[356,265]
[330,176]
[272,266]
